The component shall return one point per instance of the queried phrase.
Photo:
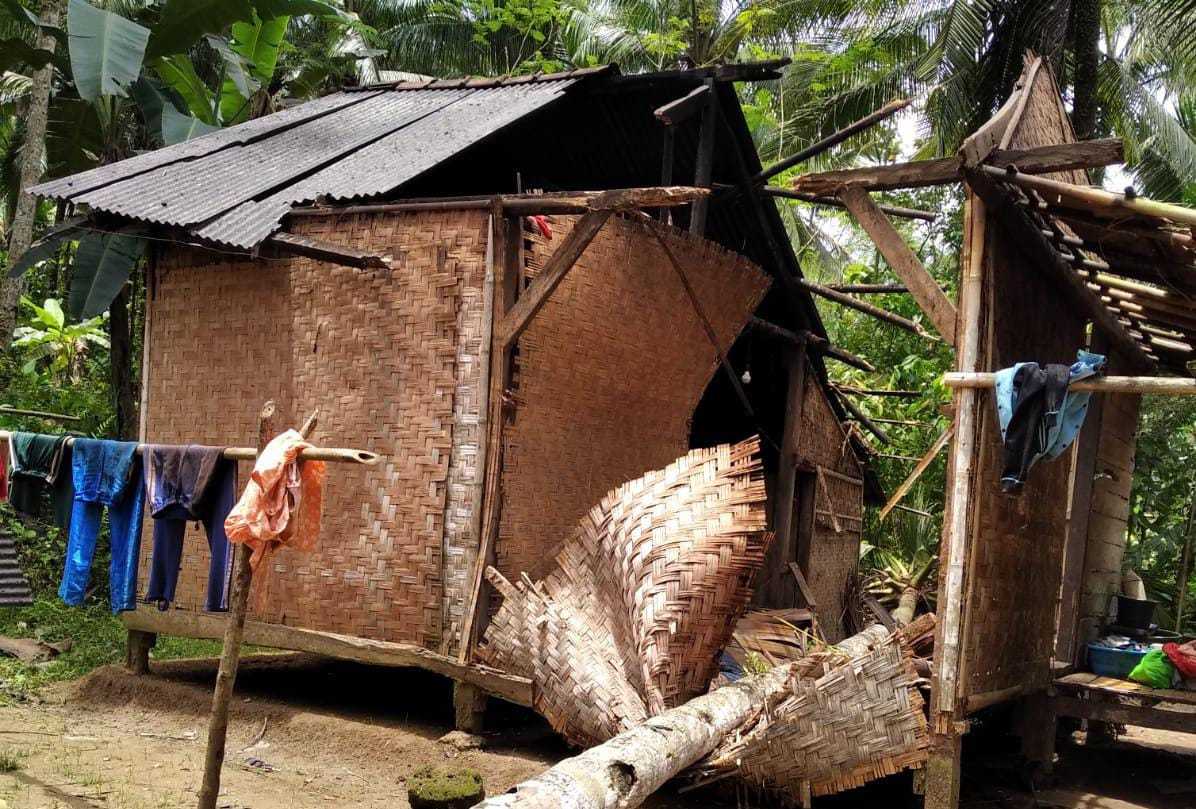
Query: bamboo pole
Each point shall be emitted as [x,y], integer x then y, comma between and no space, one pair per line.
[1162,385]
[333,454]
[5,410]
[923,463]
[1090,197]
[234,630]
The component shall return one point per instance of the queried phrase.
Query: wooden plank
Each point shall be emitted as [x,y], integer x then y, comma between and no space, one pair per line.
[924,289]
[555,269]
[684,108]
[294,244]
[184,624]
[1182,722]
[833,202]
[1114,687]
[803,587]
[944,170]
[922,465]
[509,246]
[784,544]
[704,164]
[998,130]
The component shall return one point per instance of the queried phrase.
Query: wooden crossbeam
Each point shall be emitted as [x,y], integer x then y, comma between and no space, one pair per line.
[945,170]
[922,465]
[867,308]
[814,342]
[922,286]
[685,107]
[294,244]
[832,202]
[1161,385]
[554,272]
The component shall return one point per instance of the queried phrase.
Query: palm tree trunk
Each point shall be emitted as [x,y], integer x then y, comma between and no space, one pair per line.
[31,169]
[1085,31]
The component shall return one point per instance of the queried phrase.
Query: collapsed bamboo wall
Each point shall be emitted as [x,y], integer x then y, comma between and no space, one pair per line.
[608,375]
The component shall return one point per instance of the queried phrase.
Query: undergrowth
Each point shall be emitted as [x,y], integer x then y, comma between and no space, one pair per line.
[97,639]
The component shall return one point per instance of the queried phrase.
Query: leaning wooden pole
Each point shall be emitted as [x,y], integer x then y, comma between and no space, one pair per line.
[230,655]
[234,632]
[623,772]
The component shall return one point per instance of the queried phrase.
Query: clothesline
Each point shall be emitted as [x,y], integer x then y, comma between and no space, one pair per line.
[334,454]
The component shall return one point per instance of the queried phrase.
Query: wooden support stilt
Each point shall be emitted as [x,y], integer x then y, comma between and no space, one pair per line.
[137,650]
[469,707]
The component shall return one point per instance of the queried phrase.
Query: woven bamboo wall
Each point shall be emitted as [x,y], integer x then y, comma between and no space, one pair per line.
[608,375]
[1015,561]
[388,358]
[833,555]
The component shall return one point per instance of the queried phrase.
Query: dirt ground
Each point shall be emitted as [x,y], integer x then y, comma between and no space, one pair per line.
[307,733]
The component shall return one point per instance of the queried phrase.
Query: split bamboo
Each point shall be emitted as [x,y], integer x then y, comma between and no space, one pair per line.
[1162,385]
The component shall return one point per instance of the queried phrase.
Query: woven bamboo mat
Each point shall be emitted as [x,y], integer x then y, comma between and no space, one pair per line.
[841,724]
[641,598]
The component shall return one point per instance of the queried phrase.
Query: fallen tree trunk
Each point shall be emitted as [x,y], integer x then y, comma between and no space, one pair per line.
[623,772]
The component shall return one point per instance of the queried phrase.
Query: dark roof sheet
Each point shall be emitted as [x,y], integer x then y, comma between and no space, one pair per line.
[233,187]
[14,588]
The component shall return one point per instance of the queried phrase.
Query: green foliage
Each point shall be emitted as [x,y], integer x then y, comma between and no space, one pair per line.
[102,266]
[106,50]
[52,343]
[97,639]
[438,786]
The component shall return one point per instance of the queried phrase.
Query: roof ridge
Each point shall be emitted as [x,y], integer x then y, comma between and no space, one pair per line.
[482,82]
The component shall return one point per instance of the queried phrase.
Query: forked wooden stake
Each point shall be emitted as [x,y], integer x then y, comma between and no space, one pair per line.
[234,631]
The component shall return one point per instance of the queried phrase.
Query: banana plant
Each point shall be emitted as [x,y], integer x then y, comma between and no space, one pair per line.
[50,340]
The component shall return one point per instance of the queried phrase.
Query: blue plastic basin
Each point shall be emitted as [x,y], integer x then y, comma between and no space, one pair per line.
[1109,662]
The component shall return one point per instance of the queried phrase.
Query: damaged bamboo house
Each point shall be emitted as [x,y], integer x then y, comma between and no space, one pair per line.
[522,293]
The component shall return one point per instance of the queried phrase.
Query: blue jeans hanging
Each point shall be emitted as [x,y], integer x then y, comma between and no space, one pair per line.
[107,474]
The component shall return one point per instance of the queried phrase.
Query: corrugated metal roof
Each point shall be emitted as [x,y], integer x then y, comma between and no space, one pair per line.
[14,587]
[234,186]
[387,162]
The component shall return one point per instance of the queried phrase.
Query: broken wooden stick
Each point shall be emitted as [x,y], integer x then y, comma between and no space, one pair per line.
[921,467]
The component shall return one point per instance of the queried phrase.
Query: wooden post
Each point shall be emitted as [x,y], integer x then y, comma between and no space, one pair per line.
[469,707]
[230,655]
[783,550]
[943,768]
[137,649]
[704,171]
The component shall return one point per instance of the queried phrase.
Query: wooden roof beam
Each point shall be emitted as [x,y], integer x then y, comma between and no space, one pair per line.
[944,170]
[922,286]
[832,202]
[815,344]
[684,108]
[296,245]
[883,315]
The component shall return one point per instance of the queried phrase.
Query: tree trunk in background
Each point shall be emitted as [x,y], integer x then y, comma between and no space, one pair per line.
[1185,568]
[1085,30]
[121,368]
[31,170]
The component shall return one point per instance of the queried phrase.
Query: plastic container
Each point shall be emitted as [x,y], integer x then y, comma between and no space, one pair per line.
[1135,613]
[1109,662]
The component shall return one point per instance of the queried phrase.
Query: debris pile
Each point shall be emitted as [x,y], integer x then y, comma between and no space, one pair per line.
[641,598]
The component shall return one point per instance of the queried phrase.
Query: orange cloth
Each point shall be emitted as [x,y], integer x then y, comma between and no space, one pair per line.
[283,503]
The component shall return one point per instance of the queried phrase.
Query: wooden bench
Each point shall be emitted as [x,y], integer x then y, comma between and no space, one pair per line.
[1107,699]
